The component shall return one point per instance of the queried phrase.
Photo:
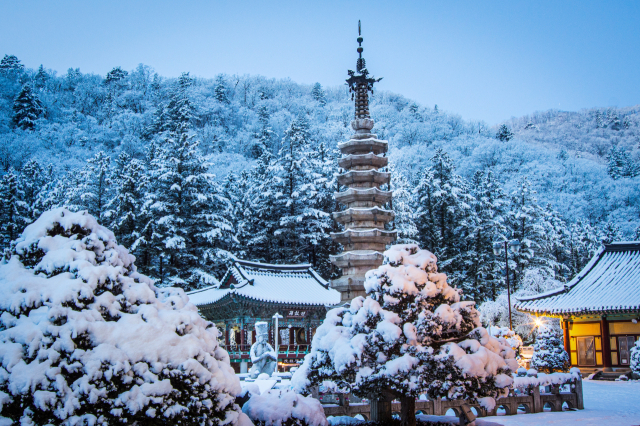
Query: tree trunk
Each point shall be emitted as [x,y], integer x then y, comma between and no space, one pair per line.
[381,408]
[408,410]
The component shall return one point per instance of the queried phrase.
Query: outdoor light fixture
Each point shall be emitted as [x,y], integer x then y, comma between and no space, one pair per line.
[538,322]
[505,247]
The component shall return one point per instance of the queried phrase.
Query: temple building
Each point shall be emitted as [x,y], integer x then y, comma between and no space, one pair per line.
[365,218]
[599,309]
[251,292]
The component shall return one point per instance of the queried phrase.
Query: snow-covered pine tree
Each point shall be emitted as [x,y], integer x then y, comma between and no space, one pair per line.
[41,77]
[263,138]
[97,342]
[504,133]
[130,181]
[444,203]
[115,75]
[549,354]
[27,108]
[32,181]
[582,242]
[635,359]
[261,214]
[610,233]
[221,90]
[410,335]
[317,93]
[13,210]
[526,221]
[188,216]
[10,66]
[93,190]
[482,228]
[403,206]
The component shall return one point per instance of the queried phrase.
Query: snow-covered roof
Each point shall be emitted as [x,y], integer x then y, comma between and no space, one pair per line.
[610,283]
[288,284]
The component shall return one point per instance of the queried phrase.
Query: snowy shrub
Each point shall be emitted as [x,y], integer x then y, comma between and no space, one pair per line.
[85,339]
[635,359]
[410,335]
[548,352]
[510,336]
[284,408]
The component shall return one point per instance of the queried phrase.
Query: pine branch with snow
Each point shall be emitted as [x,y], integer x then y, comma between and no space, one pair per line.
[86,339]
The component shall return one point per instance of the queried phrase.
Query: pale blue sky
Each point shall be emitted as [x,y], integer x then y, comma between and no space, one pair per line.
[486,60]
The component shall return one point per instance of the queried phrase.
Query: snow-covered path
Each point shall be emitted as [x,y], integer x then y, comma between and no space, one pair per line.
[606,404]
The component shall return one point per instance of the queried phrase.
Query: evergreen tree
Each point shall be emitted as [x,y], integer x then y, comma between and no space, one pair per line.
[526,221]
[483,227]
[27,108]
[93,188]
[13,210]
[410,335]
[264,138]
[32,181]
[107,339]
[444,204]
[10,66]
[549,354]
[504,133]
[130,181]
[611,233]
[318,94]
[41,78]
[403,207]
[188,212]
[115,75]
[221,90]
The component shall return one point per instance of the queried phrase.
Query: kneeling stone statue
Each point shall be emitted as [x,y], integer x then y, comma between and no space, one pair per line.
[262,354]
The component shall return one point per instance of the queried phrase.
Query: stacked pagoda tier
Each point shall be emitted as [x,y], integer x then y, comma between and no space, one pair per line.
[365,217]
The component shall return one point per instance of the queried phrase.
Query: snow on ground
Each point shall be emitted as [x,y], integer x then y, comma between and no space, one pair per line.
[606,403]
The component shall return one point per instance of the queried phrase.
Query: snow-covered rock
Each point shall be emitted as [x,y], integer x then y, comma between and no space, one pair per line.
[85,339]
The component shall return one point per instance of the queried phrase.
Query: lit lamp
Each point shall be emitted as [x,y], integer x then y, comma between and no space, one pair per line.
[499,247]
[276,317]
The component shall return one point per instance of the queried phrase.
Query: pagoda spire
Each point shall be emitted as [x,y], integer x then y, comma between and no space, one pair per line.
[360,83]
[365,194]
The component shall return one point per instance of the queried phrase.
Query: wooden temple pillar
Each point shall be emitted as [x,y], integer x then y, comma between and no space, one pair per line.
[606,343]
[565,335]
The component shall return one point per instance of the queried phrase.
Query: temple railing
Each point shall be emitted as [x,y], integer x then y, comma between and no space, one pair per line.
[529,395]
[284,351]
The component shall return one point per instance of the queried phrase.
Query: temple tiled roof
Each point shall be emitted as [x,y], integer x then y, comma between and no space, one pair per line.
[287,284]
[609,284]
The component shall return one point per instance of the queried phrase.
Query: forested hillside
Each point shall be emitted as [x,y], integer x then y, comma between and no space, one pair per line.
[190,171]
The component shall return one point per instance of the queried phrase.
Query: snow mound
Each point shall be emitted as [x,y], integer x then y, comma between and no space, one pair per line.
[86,339]
[279,407]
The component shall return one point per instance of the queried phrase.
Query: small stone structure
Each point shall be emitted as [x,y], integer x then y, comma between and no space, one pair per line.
[364,237]
[531,400]
[263,356]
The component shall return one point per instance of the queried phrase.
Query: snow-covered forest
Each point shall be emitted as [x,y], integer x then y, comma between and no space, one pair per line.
[190,171]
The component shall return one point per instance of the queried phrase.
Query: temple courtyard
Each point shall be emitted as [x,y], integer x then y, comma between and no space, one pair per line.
[606,403]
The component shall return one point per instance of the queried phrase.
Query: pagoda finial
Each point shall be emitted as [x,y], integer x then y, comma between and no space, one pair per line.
[361,84]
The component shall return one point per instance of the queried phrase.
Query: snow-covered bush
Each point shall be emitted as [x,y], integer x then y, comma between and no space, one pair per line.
[284,408]
[635,359]
[410,335]
[510,336]
[549,354]
[85,339]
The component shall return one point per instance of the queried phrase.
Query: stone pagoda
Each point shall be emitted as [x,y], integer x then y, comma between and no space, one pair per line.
[364,219]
